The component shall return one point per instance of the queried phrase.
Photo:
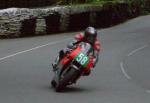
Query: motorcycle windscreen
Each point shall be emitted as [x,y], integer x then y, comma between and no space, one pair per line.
[85,48]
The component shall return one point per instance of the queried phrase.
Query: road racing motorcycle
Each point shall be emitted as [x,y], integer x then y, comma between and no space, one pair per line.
[72,66]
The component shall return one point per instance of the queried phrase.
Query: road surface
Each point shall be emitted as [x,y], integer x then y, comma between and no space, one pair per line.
[121,76]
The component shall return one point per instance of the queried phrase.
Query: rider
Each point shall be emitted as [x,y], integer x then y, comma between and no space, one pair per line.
[89,36]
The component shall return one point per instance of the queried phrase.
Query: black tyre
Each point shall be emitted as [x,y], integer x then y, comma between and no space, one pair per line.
[67,77]
[53,83]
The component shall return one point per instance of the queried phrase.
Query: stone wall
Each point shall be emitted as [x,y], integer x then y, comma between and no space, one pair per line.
[18,22]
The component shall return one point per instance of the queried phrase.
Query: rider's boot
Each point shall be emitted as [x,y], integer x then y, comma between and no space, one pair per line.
[58,58]
[55,63]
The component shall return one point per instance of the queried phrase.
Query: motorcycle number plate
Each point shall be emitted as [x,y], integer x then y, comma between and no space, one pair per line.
[82,59]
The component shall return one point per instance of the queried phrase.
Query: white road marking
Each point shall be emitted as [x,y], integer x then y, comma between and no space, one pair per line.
[136,50]
[123,71]
[21,52]
[148,91]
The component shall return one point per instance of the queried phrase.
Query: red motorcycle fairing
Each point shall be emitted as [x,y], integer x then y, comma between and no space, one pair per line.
[71,55]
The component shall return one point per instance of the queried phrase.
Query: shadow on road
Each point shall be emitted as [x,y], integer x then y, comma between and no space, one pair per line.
[69,89]
[74,89]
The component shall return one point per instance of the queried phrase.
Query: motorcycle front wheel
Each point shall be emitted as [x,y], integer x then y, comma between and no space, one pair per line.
[66,77]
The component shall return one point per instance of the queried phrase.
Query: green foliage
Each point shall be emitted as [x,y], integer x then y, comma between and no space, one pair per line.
[142,5]
[84,1]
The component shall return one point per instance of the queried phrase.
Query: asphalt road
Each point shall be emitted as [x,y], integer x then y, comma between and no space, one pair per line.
[121,76]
